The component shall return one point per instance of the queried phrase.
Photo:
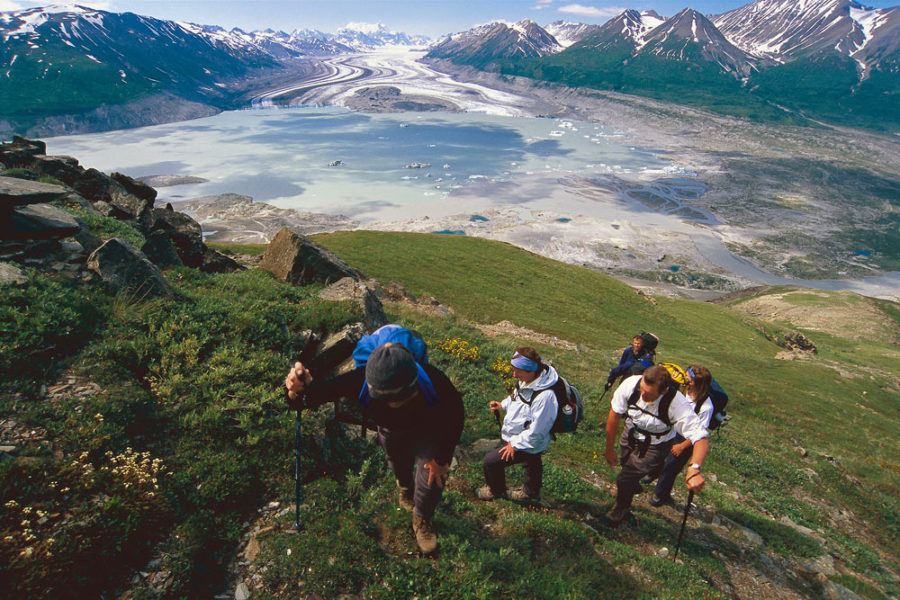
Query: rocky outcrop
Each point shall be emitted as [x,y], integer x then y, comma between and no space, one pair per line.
[31,228]
[124,268]
[298,260]
[797,341]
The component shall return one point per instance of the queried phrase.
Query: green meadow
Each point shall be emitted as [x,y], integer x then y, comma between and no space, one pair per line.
[173,457]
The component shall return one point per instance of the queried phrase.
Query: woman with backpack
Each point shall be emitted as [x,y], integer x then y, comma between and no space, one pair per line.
[699,381]
[531,411]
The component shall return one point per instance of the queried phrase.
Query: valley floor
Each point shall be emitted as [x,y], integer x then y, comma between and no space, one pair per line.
[779,202]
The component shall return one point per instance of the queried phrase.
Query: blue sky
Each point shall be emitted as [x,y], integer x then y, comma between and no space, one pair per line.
[428,17]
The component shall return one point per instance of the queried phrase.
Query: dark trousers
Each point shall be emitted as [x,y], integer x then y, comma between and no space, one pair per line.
[671,469]
[495,471]
[403,449]
[635,466]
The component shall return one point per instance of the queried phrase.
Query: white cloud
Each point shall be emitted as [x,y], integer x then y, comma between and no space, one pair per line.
[10,5]
[591,11]
[365,27]
[13,5]
[542,4]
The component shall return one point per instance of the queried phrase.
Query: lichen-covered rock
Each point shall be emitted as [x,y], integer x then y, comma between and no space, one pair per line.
[298,260]
[38,222]
[19,192]
[124,268]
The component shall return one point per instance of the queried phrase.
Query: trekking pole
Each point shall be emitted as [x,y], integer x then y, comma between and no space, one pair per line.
[497,418]
[297,524]
[683,522]
[605,389]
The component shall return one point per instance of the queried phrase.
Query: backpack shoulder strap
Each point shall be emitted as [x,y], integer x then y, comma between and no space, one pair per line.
[635,394]
[664,405]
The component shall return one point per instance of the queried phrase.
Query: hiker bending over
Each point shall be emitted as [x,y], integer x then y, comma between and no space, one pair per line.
[417,410]
[531,411]
[699,381]
[635,358]
[654,411]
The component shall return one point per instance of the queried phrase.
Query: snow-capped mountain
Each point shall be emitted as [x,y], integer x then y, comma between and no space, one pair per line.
[489,43]
[688,33]
[279,44]
[624,32]
[126,51]
[567,33]
[365,36]
[788,29]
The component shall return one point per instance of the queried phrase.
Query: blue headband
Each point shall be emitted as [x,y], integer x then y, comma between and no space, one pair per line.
[524,363]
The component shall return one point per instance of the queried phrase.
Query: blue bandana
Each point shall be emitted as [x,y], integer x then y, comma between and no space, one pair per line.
[524,363]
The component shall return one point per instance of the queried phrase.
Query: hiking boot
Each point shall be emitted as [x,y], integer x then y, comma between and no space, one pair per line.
[405,498]
[520,495]
[657,501]
[647,479]
[425,536]
[618,513]
[485,493]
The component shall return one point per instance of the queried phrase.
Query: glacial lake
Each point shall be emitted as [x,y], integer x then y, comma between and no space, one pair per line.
[335,161]
[391,167]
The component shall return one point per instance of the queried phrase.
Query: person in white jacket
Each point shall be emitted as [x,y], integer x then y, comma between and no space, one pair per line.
[531,411]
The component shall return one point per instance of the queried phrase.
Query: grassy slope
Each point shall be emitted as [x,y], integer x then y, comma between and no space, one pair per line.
[774,401]
[195,383]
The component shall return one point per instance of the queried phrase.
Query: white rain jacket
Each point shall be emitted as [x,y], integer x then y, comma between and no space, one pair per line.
[530,413]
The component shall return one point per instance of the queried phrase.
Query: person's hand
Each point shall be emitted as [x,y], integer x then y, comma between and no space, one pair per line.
[437,473]
[297,380]
[612,457]
[507,452]
[495,406]
[677,450]
[693,479]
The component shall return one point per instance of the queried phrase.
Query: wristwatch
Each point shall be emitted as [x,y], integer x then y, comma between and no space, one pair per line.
[695,466]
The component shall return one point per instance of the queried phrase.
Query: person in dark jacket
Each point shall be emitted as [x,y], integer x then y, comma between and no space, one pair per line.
[419,417]
[635,358]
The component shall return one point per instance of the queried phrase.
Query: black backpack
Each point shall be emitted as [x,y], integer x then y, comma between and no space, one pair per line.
[664,404]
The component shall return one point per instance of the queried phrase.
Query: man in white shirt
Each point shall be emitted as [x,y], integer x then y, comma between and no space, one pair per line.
[654,411]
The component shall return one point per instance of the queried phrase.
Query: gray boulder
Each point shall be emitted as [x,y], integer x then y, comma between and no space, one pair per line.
[19,192]
[11,274]
[96,186]
[298,260]
[135,187]
[160,250]
[63,168]
[216,262]
[357,291]
[123,268]
[183,231]
[335,349]
[39,222]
